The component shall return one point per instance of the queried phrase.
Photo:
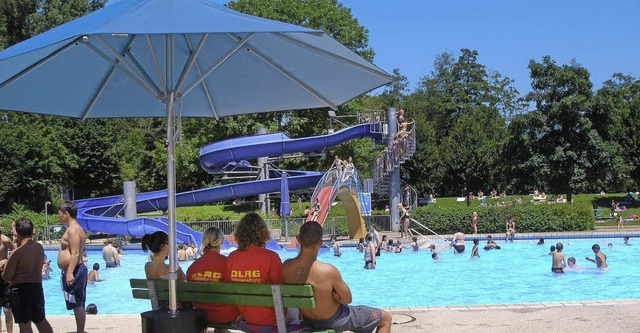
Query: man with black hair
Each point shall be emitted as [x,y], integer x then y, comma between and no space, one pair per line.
[331,293]
[24,272]
[74,272]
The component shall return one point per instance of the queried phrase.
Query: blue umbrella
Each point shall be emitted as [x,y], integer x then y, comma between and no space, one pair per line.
[144,58]
[285,206]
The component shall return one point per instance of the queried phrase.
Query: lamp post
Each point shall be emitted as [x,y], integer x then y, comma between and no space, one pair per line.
[46,221]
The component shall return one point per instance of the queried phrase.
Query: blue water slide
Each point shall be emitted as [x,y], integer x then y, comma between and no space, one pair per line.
[218,154]
[106,214]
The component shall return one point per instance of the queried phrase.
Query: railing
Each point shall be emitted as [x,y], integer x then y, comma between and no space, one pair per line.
[441,243]
[330,225]
[391,157]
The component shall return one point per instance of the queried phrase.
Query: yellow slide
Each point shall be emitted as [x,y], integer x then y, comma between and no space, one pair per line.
[354,214]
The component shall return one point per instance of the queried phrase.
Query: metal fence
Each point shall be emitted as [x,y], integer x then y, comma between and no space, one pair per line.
[331,225]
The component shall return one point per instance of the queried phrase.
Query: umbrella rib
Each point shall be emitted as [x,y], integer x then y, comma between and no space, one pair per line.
[155,60]
[217,64]
[41,62]
[292,77]
[128,68]
[316,49]
[136,63]
[125,71]
[204,84]
[99,93]
[192,59]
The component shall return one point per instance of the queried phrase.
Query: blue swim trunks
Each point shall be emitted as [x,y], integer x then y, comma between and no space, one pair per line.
[359,319]
[75,295]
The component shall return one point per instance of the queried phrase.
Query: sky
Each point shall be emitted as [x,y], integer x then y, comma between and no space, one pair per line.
[603,36]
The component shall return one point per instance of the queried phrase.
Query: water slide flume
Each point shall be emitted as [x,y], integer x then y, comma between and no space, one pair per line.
[105,214]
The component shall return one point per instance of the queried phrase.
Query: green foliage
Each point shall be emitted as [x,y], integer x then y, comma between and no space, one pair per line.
[20,211]
[528,218]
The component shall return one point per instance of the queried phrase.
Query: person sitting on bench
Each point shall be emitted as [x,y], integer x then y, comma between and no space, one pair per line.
[331,293]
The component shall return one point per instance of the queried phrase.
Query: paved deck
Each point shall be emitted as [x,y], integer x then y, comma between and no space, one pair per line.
[593,316]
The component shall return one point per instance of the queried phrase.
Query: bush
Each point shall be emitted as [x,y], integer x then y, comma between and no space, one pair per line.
[528,218]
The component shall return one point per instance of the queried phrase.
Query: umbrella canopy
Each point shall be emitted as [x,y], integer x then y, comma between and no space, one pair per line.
[142,58]
[285,207]
[125,59]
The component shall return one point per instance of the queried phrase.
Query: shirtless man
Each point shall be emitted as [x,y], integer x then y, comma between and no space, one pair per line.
[23,271]
[600,258]
[74,273]
[376,238]
[6,244]
[110,255]
[331,293]
[557,260]
[474,250]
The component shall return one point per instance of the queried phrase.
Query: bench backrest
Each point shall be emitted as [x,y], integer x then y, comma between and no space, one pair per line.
[292,295]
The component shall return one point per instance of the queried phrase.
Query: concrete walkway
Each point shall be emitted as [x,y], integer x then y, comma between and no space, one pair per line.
[603,316]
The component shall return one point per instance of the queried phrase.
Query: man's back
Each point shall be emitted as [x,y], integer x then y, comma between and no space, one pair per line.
[329,289]
[558,260]
[109,253]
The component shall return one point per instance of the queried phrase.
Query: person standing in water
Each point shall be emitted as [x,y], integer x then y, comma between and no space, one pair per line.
[74,272]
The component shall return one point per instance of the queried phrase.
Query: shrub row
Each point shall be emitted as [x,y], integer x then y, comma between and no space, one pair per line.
[528,218]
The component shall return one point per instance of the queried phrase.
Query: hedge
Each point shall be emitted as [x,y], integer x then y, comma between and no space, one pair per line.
[528,218]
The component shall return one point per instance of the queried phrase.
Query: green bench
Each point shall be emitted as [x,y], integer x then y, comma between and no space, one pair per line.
[277,296]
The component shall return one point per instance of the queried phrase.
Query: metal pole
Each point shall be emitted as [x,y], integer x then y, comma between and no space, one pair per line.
[394,178]
[46,222]
[171,179]
[262,164]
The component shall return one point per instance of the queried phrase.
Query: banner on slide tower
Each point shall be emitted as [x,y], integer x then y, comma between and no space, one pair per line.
[365,203]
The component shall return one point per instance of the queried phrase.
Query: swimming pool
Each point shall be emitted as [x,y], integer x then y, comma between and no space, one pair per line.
[518,273]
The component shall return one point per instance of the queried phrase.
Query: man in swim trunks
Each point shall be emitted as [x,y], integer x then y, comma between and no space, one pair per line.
[74,273]
[110,255]
[557,260]
[331,293]
[23,271]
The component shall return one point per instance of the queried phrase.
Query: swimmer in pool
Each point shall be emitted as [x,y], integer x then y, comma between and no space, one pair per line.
[626,240]
[571,264]
[458,242]
[474,250]
[491,244]
[552,250]
[600,258]
[557,260]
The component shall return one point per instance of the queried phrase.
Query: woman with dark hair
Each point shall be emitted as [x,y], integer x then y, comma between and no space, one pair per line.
[158,244]
[252,263]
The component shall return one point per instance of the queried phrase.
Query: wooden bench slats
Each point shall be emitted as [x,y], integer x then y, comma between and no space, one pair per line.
[228,287]
[260,300]
[293,296]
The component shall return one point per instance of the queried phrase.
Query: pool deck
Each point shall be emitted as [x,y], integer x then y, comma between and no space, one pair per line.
[591,316]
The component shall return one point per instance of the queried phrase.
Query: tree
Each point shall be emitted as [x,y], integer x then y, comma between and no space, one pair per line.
[615,115]
[14,20]
[460,110]
[52,13]
[568,153]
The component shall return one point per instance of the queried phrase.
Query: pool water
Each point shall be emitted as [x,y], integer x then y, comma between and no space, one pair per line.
[520,272]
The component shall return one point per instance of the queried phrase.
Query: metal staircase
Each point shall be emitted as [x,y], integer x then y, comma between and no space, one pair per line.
[389,159]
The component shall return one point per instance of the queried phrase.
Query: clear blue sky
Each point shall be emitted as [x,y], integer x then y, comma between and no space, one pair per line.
[603,36]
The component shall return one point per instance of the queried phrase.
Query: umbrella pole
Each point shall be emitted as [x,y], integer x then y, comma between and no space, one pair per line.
[171,205]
